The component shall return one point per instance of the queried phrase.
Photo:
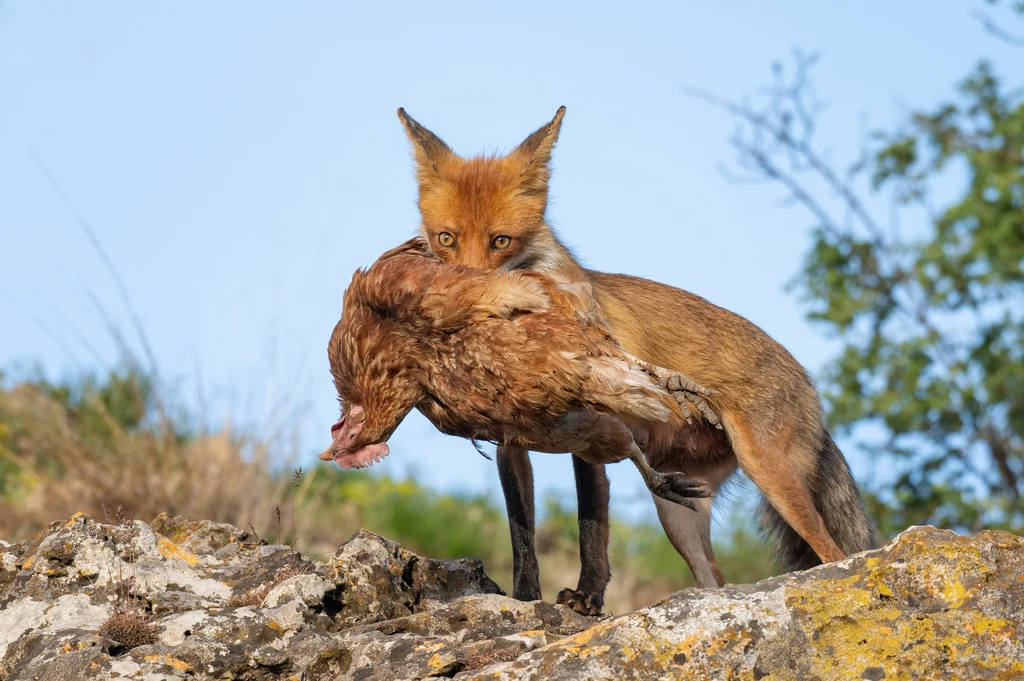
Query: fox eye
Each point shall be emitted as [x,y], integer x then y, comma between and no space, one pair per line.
[446,239]
[501,242]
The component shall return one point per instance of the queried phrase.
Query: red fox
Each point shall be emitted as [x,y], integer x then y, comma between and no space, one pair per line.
[489,213]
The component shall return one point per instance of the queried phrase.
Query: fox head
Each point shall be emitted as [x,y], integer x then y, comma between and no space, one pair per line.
[486,212]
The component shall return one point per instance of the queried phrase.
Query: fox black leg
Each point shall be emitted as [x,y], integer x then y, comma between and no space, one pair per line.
[516,474]
[595,570]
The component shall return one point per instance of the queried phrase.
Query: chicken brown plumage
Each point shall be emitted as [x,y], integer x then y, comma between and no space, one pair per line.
[508,357]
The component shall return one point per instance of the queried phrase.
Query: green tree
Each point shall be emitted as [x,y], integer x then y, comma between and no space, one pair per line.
[917,267]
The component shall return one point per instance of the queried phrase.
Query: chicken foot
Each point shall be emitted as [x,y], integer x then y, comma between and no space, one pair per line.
[674,487]
[684,389]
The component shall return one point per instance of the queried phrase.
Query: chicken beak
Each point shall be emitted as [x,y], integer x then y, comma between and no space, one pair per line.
[328,454]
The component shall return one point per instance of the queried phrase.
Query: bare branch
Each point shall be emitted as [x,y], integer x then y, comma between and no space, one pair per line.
[796,190]
[997,31]
[1001,455]
[786,126]
[734,178]
[779,128]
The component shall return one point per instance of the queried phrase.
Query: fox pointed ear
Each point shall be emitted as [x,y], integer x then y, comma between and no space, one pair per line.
[429,148]
[535,152]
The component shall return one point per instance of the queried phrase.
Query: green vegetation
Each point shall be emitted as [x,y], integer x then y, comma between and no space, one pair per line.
[80,445]
[917,266]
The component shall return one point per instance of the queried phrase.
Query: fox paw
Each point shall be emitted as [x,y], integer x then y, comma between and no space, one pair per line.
[677,488]
[583,603]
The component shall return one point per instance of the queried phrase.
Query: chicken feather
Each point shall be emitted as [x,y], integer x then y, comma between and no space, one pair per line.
[507,357]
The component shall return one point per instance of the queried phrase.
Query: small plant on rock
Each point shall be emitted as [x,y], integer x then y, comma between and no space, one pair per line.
[129,625]
[129,629]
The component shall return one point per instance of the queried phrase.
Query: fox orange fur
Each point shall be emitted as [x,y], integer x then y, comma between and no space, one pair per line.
[509,357]
[489,213]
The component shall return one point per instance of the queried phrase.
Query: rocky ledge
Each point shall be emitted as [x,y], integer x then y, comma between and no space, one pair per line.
[201,600]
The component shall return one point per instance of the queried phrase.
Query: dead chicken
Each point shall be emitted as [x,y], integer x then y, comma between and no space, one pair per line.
[507,357]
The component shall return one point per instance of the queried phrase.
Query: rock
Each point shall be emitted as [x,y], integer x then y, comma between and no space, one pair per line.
[269,656]
[202,537]
[379,580]
[227,605]
[929,605]
[309,589]
[442,642]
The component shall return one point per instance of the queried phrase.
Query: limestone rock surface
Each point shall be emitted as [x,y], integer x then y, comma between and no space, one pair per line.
[215,602]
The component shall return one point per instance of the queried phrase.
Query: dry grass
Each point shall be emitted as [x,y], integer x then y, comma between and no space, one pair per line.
[146,471]
[130,630]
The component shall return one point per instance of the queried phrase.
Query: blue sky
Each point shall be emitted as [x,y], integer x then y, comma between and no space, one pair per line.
[238,160]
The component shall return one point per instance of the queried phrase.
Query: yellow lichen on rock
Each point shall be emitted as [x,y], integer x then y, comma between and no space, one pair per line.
[930,605]
[180,665]
[170,661]
[574,645]
[594,650]
[437,663]
[172,550]
[861,622]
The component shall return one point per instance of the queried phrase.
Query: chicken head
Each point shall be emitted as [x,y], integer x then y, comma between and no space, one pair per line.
[345,449]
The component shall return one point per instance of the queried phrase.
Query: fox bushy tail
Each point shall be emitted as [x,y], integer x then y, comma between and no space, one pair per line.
[837,499]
